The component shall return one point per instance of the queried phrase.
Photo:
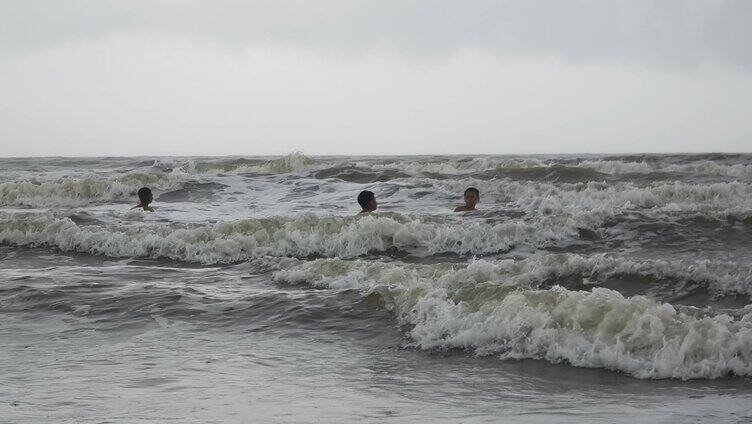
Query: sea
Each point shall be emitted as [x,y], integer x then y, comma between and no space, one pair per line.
[585,288]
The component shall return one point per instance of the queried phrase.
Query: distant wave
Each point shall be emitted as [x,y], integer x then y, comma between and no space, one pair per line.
[292,163]
[504,308]
[455,165]
[705,167]
[515,167]
[566,170]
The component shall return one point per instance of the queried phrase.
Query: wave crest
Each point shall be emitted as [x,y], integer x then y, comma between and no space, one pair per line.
[295,162]
[591,204]
[525,168]
[70,192]
[704,167]
[300,236]
[501,308]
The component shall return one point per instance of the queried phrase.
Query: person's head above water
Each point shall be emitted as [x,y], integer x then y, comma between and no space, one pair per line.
[472,197]
[367,201]
[144,197]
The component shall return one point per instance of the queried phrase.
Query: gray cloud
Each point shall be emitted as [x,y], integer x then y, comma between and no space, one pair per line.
[373,77]
[674,33]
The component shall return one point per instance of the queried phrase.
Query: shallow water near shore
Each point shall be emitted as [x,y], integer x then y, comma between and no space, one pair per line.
[585,289]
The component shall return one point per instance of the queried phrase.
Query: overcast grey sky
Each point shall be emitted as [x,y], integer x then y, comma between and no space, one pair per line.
[374,77]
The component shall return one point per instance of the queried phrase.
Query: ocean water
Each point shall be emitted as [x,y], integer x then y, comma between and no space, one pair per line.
[584,289]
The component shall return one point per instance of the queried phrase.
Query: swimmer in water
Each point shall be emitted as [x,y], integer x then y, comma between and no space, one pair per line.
[367,201]
[472,197]
[145,197]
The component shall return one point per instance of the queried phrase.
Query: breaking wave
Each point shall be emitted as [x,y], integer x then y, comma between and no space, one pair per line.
[706,167]
[517,168]
[534,168]
[456,166]
[591,204]
[505,308]
[301,236]
[292,163]
[71,192]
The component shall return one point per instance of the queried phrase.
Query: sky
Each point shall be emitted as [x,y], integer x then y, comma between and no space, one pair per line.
[355,77]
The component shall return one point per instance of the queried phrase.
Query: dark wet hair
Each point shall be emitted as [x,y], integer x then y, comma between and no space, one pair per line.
[473,190]
[365,197]
[144,193]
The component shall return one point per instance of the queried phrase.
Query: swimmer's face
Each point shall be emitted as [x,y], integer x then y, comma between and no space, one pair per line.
[373,204]
[471,199]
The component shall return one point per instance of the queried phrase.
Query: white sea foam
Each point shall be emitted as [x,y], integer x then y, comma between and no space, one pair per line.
[298,236]
[501,308]
[79,191]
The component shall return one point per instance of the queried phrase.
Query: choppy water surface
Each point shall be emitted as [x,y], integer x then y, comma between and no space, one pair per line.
[585,289]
